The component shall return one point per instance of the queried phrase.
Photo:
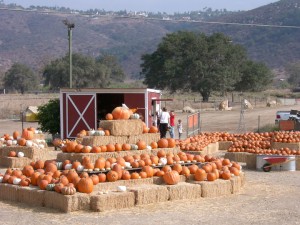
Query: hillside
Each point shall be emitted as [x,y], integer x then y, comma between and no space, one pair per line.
[36,38]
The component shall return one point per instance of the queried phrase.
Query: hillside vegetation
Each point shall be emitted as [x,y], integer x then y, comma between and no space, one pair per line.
[36,38]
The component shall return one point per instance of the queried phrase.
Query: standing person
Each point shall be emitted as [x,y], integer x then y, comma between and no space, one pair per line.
[179,128]
[172,124]
[164,122]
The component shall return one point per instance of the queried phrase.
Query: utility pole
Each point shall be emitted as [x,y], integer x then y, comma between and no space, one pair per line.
[70,26]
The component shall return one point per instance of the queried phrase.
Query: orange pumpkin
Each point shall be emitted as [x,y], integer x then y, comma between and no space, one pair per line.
[163,143]
[109,116]
[120,113]
[153,129]
[141,145]
[171,177]
[16,134]
[85,185]
[112,176]
[200,175]
[27,134]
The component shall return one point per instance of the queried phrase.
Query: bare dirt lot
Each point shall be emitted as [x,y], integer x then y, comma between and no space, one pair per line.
[267,198]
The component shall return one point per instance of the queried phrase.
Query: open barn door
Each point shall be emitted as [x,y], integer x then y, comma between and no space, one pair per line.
[80,113]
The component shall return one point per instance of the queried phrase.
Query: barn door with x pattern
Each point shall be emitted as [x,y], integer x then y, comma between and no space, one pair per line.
[81,113]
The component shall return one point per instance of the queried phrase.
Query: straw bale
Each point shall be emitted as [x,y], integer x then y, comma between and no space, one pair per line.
[297,157]
[236,156]
[29,152]
[122,127]
[112,186]
[112,201]
[243,178]
[148,138]
[31,195]
[64,203]
[210,149]
[236,184]
[148,194]
[291,146]
[9,192]
[39,136]
[216,188]
[104,140]
[14,162]
[251,161]
[224,145]
[175,150]
[184,191]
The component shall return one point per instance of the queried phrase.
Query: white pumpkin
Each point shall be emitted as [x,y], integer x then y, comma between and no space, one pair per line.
[80,168]
[68,166]
[16,181]
[121,188]
[163,161]
[21,154]
[14,142]
[29,143]
[36,131]
[91,132]
[41,146]
[149,147]
[127,165]
[9,142]
[99,133]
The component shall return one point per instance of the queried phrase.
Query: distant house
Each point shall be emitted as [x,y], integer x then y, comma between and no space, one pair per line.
[30,114]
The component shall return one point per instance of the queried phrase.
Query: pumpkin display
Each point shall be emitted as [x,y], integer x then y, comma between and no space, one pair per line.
[68,190]
[163,143]
[85,185]
[141,145]
[21,141]
[200,175]
[149,170]
[121,113]
[171,177]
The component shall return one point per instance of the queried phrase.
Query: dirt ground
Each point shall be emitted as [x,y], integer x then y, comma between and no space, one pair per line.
[267,198]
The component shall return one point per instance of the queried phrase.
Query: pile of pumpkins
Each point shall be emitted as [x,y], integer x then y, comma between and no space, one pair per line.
[26,138]
[75,147]
[67,178]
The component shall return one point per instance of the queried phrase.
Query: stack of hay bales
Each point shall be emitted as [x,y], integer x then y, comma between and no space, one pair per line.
[30,154]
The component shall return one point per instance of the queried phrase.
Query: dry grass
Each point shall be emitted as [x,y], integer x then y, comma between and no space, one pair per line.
[12,104]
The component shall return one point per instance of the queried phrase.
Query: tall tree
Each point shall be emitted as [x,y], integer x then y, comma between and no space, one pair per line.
[254,77]
[20,78]
[193,61]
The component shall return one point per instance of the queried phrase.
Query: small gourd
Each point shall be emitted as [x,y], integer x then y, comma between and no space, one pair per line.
[50,187]
[91,132]
[68,190]
[29,143]
[21,154]
[16,181]
[68,166]
[149,147]
[99,133]
[134,116]
[80,168]
[163,161]
[134,147]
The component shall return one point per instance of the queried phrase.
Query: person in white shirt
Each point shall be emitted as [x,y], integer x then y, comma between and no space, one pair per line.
[180,129]
[164,122]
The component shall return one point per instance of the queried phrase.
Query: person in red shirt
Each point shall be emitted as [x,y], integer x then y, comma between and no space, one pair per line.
[172,124]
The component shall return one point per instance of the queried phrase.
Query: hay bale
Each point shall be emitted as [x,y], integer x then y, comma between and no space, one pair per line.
[112,201]
[122,127]
[29,152]
[9,192]
[188,109]
[236,156]
[148,194]
[297,162]
[214,189]
[14,162]
[291,146]
[225,145]
[148,138]
[31,195]
[112,186]
[184,191]
[236,184]
[103,140]
[160,180]
[64,203]
[243,179]
[251,161]
[39,136]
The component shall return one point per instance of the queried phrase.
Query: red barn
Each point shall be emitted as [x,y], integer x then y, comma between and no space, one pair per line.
[84,108]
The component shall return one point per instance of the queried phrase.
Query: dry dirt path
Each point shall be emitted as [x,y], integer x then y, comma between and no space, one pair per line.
[267,198]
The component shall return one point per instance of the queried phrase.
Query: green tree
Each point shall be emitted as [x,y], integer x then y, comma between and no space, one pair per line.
[87,72]
[49,117]
[20,78]
[293,71]
[254,77]
[115,70]
[192,61]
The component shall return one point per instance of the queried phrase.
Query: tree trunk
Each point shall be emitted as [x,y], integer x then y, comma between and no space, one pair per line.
[205,96]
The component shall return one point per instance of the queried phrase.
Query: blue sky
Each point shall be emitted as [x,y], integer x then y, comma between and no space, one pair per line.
[169,6]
